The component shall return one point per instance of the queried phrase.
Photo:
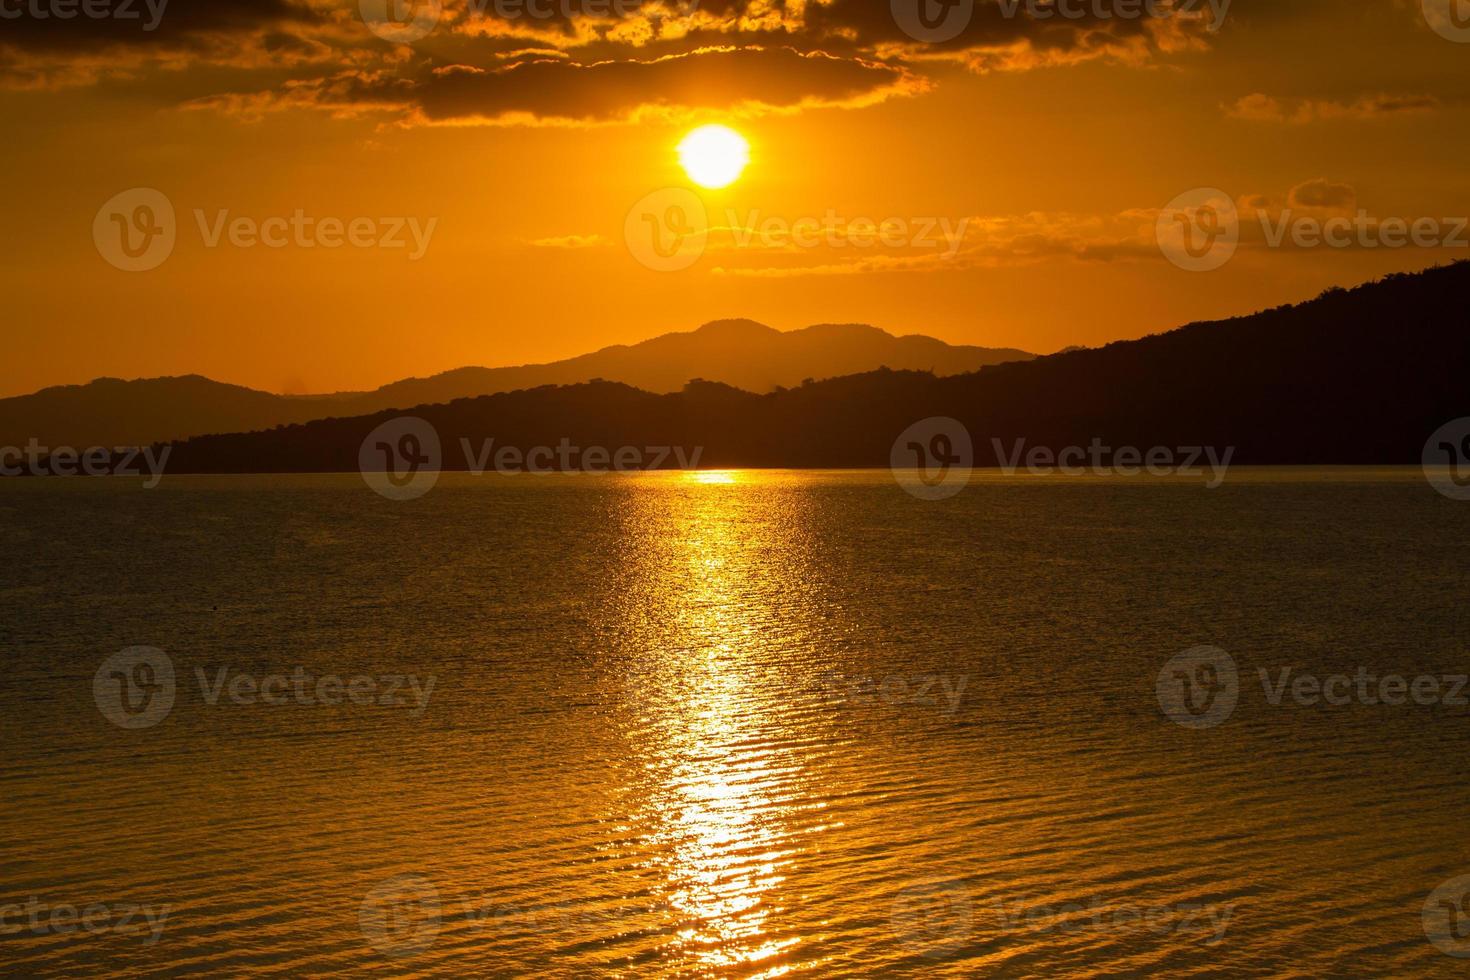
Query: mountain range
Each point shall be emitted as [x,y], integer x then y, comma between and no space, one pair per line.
[1359,376]
[740,353]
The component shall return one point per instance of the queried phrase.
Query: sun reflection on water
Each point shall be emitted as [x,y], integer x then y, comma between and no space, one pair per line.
[715,477]
[719,781]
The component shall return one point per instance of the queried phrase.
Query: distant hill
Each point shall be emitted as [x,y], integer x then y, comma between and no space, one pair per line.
[740,353]
[1359,376]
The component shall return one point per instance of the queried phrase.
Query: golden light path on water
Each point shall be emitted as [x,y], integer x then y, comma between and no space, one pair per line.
[721,800]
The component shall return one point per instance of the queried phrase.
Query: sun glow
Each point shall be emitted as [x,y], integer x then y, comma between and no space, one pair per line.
[714,156]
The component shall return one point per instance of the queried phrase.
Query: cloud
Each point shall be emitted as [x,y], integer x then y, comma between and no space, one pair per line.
[1322,193]
[724,78]
[141,36]
[566,92]
[494,62]
[1259,107]
[571,242]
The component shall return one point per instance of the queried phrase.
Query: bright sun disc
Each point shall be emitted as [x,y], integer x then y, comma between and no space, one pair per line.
[714,156]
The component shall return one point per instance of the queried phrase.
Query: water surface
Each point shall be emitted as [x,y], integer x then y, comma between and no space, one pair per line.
[752,724]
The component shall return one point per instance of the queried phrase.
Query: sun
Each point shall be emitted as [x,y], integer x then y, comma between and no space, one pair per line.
[714,156]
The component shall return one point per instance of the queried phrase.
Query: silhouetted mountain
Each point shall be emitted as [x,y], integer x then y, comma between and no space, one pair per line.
[1360,376]
[747,355]
[112,412]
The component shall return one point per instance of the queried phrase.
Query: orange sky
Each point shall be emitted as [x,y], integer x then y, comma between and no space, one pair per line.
[521,146]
